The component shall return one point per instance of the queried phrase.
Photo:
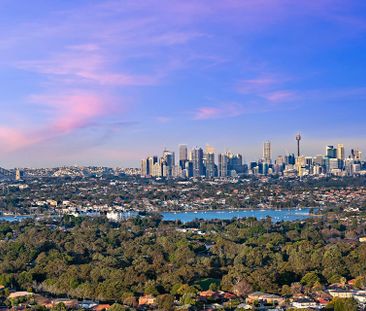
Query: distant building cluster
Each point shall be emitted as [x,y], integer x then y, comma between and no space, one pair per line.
[333,162]
[204,163]
[196,163]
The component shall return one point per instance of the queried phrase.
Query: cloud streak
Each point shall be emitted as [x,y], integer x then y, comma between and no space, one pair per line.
[227,110]
[86,65]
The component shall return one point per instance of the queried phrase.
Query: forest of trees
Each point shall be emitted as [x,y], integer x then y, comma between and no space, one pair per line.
[96,259]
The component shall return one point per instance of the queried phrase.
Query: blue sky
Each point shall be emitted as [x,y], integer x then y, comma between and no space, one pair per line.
[109,82]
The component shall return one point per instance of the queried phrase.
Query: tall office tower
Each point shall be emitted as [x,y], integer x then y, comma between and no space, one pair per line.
[209,161]
[267,152]
[300,165]
[210,165]
[183,155]
[197,160]
[298,139]
[150,163]
[169,163]
[290,159]
[189,169]
[144,167]
[235,163]
[252,166]
[331,152]
[152,160]
[155,159]
[223,165]
[340,152]
[157,170]
[279,164]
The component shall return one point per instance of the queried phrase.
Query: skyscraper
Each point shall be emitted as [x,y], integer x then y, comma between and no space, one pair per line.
[188,169]
[209,161]
[156,170]
[235,163]
[147,166]
[144,167]
[183,156]
[340,152]
[267,152]
[331,152]
[300,165]
[197,160]
[290,159]
[168,163]
[223,161]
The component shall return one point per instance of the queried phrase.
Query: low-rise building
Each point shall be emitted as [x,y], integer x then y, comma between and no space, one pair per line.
[264,297]
[21,294]
[338,293]
[304,303]
[147,300]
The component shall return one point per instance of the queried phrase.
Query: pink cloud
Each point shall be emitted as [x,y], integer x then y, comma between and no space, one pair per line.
[271,88]
[280,96]
[72,111]
[218,112]
[63,115]
[205,113]
[12,138]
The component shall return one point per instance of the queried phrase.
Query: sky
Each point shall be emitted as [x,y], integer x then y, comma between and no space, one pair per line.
[86,82]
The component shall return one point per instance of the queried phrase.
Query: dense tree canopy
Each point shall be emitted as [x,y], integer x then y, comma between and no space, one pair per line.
[92,258]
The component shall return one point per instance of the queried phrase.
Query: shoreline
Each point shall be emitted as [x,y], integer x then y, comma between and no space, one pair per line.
[254,212]
[237,210]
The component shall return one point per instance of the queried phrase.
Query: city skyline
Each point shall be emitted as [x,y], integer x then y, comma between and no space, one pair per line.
[267,146]
[91,83]
[201,162]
